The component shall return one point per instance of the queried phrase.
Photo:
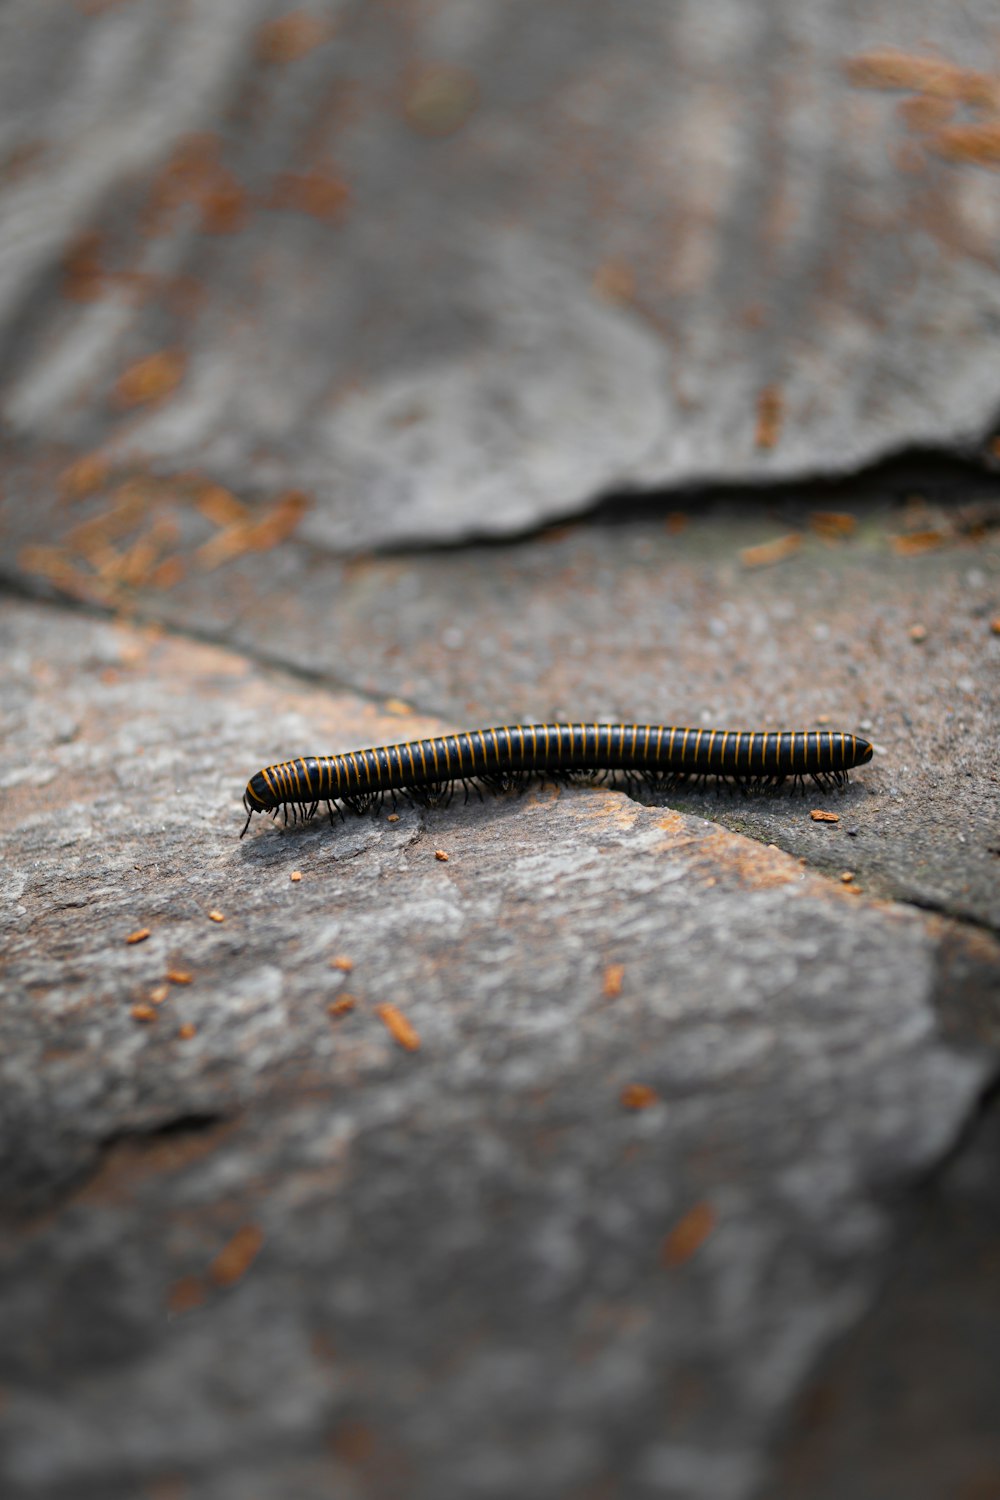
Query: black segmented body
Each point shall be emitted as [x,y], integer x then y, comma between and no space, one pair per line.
[657,754]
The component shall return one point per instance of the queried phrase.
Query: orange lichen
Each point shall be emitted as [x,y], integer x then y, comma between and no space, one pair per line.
[688,1236]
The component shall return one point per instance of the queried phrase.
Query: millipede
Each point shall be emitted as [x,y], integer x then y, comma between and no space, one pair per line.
[633,756]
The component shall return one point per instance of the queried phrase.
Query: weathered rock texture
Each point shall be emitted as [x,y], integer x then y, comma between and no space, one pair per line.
[466,1268]
[455,269]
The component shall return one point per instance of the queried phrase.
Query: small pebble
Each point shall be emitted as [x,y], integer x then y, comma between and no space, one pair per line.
[392,818]
[295,875]
[216,916]
[847,876]
[440,854]
[819,816]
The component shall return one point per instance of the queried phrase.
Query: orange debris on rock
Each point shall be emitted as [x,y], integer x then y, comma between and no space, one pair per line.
[688,1235]
[615,280]
[167,574]
[891,69]
[235,1259]
[195,176]
[221,506]
[83,476]
[819,816]
[179,976]
[345,965]
[150,379]
[638,1096]
[767,553]
[914,542]
[255,536]
[614,975]
[187,1031]
[185,1295]
[143,1013]
[770,413]
[398,1026]
[342,1006]
[139,936]
[833,524]
[973,143]
[320,194]
[84,278]
[287,38]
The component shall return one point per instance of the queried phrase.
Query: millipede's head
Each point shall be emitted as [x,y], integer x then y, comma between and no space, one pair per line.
[258,796]
[864,752]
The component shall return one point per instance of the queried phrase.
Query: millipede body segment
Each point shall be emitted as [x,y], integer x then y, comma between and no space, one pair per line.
[653,755]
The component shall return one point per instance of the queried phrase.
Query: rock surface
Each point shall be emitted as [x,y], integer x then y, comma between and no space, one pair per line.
[455,270]
[558,1145]
[292,1247]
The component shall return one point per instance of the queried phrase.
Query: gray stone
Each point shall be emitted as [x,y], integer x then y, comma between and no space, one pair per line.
[457,271]
[476,1271]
